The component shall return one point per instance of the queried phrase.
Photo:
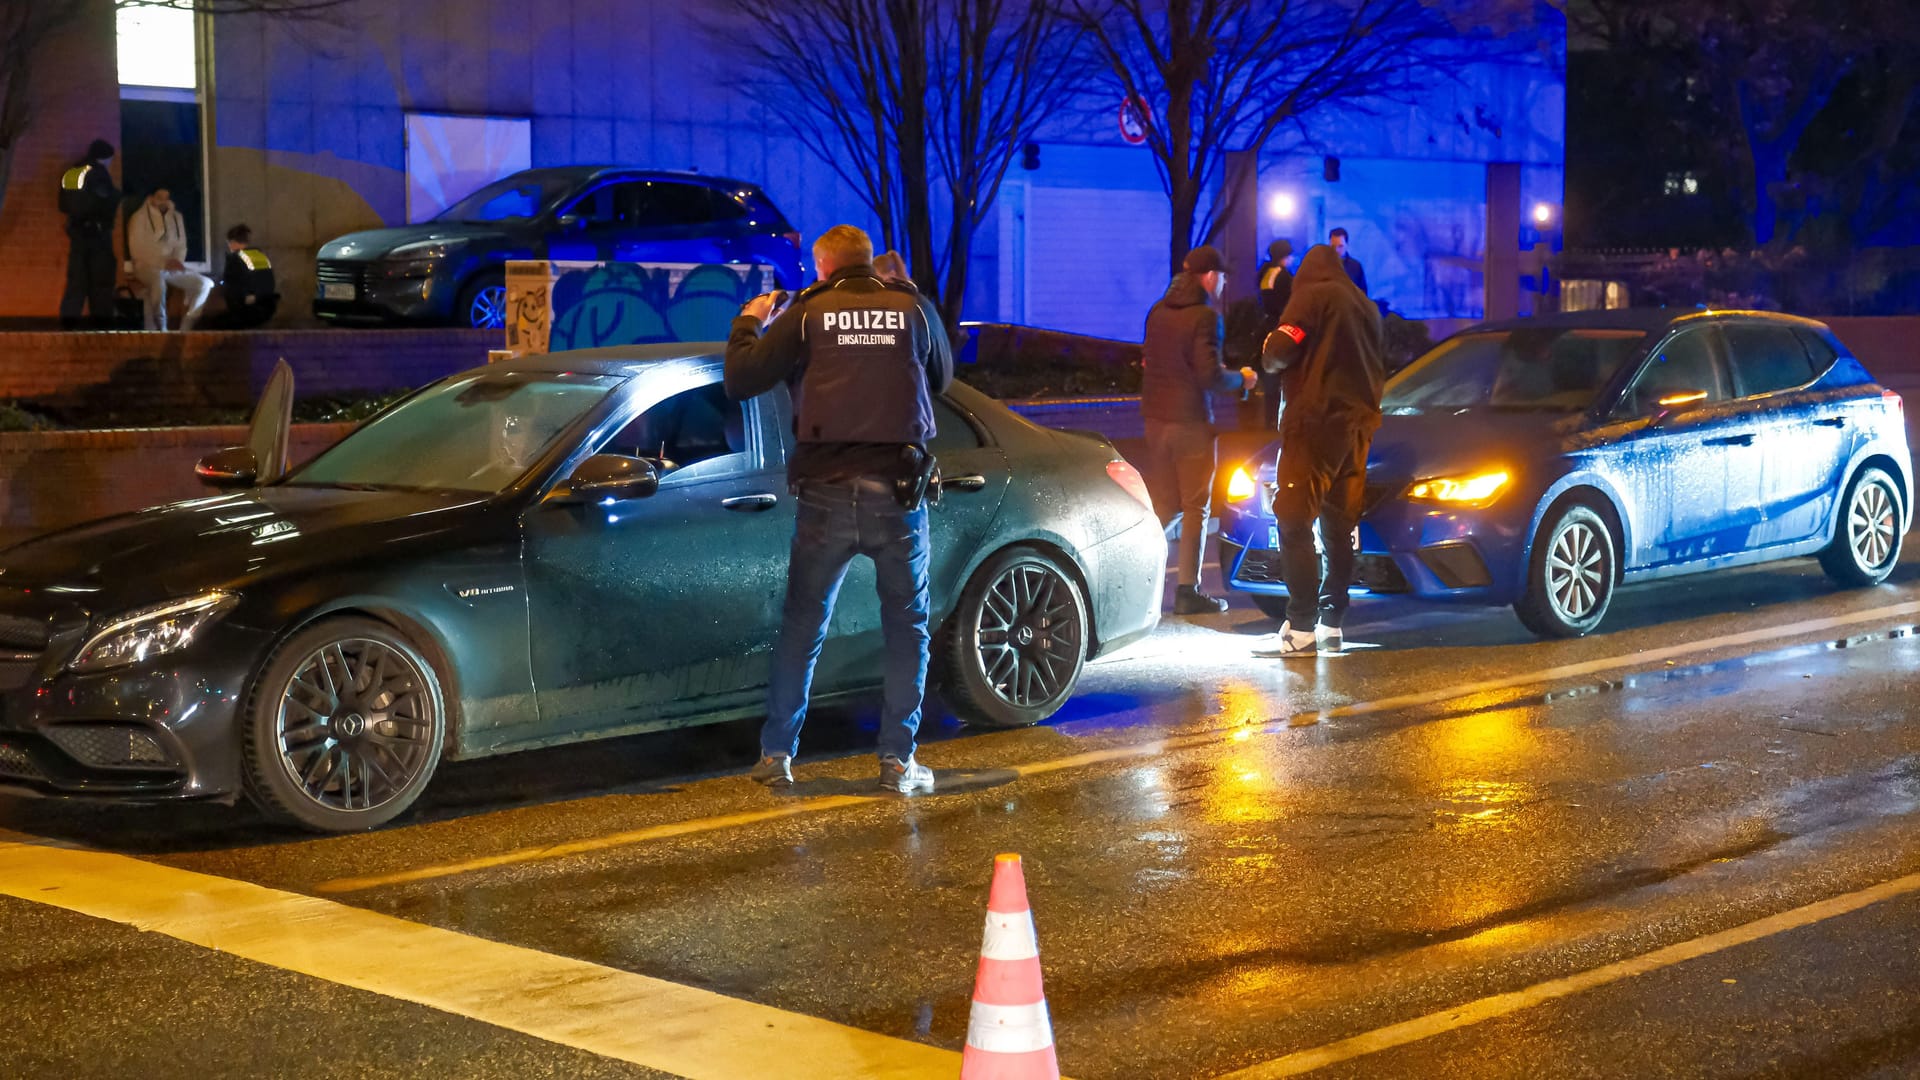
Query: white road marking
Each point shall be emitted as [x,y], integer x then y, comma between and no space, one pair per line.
[1140,750]
[1489,1008]
[616,1014]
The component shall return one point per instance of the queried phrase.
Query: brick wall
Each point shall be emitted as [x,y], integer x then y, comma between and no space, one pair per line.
[75,95]
[120,371]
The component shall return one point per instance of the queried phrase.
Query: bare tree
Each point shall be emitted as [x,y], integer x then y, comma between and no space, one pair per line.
[919,105]
[26,26]
[1226,75]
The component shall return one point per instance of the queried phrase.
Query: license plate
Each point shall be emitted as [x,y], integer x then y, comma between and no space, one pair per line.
[338,291]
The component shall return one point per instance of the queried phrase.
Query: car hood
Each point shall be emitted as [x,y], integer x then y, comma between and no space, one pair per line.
[226,541]
[1412,446]
[377,243]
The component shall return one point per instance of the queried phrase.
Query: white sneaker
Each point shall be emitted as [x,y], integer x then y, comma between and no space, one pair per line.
[1287,642]
[1328,638]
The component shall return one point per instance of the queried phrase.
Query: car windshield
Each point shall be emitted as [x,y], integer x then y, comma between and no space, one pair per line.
[1548,368]
[477,433]
[521,197]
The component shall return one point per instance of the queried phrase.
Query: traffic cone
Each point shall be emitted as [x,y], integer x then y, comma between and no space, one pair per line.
[1009,1036]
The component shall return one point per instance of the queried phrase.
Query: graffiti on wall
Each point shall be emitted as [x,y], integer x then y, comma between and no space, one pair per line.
[555,306]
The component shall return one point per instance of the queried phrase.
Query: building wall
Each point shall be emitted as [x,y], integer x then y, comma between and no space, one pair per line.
[75,98]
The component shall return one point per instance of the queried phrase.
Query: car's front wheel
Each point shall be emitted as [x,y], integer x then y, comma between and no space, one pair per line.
[1016,642]
[1866,538]
[344,727]
[1570,576]
[483,303]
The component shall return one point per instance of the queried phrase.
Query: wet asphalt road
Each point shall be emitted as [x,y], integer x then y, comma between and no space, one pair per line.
[1230,861]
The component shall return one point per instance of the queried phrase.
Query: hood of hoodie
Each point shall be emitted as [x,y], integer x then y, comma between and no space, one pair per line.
[1185,291]
[1320,266]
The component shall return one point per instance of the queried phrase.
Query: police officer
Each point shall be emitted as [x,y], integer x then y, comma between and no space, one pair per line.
[863,357]
[247,284]
[89,201]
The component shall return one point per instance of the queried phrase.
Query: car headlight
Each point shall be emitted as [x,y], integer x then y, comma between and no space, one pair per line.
[1240,485]
[151,631]
[1477,489]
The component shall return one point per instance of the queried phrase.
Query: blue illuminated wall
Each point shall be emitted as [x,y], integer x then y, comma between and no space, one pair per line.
[309,127]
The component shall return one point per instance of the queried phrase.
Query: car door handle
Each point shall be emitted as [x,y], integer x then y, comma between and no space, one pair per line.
[1832,421]
[1732,440]
[750,504]
[969,482]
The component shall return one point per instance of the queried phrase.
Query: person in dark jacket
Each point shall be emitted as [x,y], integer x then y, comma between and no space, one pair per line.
[1355,271]
[246,283]
[864,358]
[1181,369]
[1331,350]
[89,200]
[1276,288]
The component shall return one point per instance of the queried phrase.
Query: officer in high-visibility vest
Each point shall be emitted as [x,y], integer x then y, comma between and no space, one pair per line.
[247,284]
[89,200]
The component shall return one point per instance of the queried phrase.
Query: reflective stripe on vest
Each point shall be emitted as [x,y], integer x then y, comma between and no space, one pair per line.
[254,259]
[75,179]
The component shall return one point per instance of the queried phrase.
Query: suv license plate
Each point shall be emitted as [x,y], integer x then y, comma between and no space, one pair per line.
[337,291]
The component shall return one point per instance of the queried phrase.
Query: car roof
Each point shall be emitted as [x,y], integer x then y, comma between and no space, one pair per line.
[617,359]
[1651,320]
[592,172]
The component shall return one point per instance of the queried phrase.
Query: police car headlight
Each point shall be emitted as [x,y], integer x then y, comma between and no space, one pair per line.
[1240,485]
[1477,489]
[151,631]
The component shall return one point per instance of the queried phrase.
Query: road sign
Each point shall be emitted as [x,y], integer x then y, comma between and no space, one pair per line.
[1135,115]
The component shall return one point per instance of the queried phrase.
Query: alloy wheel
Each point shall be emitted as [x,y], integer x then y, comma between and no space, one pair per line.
[489,309]
[1576,572]
[1871,530]
[356,724]
[1028,635]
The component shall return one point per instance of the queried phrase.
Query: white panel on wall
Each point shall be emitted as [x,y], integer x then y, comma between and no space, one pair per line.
[451,157]
[1096,259]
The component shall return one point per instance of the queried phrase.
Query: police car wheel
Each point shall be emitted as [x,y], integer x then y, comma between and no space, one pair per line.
[1016,642]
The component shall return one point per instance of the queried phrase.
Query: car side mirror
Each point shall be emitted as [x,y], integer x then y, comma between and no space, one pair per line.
[613,477]
[568,221]
[234,467]
[1676,401]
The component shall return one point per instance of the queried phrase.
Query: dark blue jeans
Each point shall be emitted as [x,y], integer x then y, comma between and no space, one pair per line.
[837,521]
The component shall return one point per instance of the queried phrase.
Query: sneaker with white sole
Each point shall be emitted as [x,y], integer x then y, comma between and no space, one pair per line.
[907,777]
[774,770]
[1288,642]
[1328,638]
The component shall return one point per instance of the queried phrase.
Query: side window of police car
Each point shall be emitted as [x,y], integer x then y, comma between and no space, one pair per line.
[1684,364]
[694,434]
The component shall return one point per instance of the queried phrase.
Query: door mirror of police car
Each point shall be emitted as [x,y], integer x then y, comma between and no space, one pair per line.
[608,478]
[234,467]
[568,221]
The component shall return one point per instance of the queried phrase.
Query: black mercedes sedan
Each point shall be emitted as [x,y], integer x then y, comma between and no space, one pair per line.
[559,548]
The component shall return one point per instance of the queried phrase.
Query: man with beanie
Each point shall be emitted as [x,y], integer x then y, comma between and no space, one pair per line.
[89,200]
[1331,351]
[1182,368]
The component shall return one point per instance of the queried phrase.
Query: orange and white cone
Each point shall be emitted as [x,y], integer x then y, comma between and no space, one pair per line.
[1009,1036]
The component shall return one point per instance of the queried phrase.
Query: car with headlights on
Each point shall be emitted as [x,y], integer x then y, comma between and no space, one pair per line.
[451,271]
[551,549]
[1545,462]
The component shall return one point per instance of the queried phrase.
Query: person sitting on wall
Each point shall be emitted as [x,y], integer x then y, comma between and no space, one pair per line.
[157,244]
[246,283]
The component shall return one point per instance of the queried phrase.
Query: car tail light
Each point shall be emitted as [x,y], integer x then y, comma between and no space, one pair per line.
[1129,478]
[1892,401]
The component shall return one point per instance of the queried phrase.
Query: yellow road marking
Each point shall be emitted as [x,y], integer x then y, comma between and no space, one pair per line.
[1136,750]
[616,1014]
[1489,1008]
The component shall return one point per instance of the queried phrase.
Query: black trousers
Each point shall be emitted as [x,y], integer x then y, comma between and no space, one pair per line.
[90,274]
[1321,478]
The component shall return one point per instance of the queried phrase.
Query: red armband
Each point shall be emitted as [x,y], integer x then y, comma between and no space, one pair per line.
[1298,335]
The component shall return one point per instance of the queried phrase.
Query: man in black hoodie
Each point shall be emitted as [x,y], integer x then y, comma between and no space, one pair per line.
[1332,352]
[1181,367]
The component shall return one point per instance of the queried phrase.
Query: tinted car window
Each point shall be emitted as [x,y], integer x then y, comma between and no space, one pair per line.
[479,434]
[952,431]
[690,427]
[516,198]
[665,205]
[1819,351]
[1684,365]
[1766,358]
[1558,369]
[724,207]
